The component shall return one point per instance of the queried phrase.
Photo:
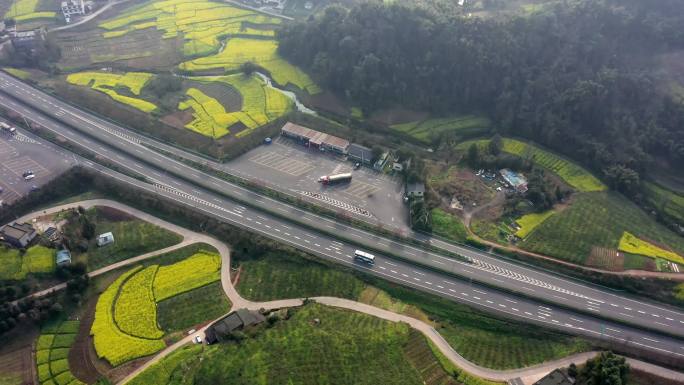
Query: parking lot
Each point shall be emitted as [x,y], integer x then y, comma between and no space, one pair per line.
[20,153]
[295,169]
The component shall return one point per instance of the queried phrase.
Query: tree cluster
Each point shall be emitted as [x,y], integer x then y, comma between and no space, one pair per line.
[578,77]
[605,369]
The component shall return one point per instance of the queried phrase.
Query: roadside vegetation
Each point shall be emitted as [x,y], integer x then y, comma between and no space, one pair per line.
[448,225]
[480,338]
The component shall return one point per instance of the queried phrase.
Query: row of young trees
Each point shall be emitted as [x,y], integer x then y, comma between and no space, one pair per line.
[578,77]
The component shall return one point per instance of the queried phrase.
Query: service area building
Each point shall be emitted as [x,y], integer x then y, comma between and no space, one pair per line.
[315,138]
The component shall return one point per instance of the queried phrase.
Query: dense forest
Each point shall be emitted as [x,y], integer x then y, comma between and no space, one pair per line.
[579,76]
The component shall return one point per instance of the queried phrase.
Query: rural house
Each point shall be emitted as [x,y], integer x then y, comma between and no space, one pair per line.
[415,190]
[18,235]
[515,180]
[28,41]
[237,320]
[556,377]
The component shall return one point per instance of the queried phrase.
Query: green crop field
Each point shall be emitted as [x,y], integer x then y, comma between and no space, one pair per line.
[344,347]
[448,226]
[192,307]
[597,219]
[131,238]
[529,222]
[458,128]
[574,175]
[37,259]
[127,322]
[259,51]
[53,347]
[666,201]
[109,83]
[274,277]
[488,341]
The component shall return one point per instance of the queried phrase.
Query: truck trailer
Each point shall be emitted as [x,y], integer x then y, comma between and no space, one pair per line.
[334,179]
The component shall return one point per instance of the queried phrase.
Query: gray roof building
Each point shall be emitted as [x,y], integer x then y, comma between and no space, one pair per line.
[237,320]
[360,153]
[556,377]
[18,234]
[415,190]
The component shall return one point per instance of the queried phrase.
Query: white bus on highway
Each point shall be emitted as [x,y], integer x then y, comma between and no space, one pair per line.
[364,257]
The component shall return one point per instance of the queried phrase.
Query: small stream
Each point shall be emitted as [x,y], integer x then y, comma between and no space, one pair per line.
[300,106]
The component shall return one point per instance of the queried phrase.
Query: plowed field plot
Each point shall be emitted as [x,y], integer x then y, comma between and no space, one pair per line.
[16,367]
[139,49]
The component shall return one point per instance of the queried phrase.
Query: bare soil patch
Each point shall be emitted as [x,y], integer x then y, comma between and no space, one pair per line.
[178,119]
[113,215]
[607,259]
[81,353]
[327,101]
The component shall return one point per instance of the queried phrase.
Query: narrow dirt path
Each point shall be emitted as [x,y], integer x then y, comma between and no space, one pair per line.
[528,375]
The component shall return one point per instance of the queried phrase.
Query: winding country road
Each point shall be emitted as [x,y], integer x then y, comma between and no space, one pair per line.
[526,375]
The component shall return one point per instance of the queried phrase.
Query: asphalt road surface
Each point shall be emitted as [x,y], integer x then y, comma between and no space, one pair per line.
[550,300]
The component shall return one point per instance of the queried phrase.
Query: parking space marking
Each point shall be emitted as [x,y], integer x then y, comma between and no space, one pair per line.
[282,163]
[359,189]
[22,164]
[6,148]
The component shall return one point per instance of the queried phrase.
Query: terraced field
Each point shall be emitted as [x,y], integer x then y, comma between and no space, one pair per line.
[597,219]
[202,24]
[457,128]
[260,103]
[343,347]
[666,201]
[53,349]
[574,175]
[109,83]
[262,53]
[126,325]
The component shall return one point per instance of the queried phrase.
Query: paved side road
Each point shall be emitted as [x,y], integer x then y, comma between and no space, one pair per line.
[526,375]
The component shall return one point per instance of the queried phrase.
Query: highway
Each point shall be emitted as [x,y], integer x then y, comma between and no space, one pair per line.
[189,186]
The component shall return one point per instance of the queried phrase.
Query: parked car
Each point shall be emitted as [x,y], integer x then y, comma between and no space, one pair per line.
[357,166]
[29,176]
[198,339]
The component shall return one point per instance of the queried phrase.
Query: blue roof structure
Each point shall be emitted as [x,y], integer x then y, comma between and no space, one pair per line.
[63,256]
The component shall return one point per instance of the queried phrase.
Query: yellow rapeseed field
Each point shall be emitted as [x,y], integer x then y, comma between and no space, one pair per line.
[201,269]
